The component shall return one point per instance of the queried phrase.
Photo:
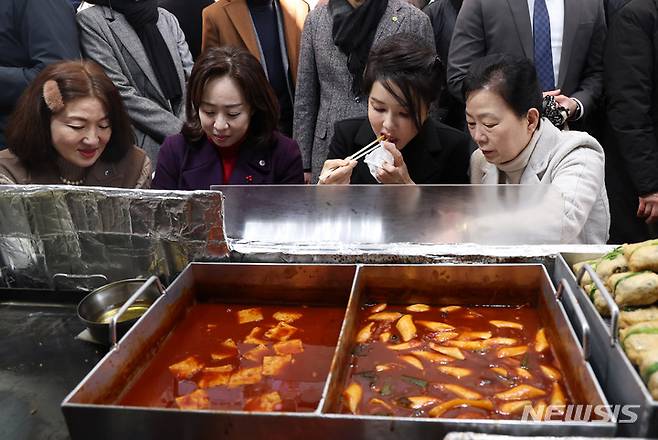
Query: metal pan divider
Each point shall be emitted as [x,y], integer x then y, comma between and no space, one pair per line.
[338,367]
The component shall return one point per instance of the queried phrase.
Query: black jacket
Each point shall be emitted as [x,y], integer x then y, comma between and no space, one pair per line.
[631,84]
[33,34]
[438,154]
[443,14]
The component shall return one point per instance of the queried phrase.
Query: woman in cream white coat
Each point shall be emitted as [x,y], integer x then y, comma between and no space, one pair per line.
[517,146]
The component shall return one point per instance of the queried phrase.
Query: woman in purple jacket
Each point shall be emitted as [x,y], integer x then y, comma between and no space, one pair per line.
[229,137]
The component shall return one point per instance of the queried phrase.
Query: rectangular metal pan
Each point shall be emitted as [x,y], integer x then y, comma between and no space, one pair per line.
[618,377]
[470,285]
[90,411]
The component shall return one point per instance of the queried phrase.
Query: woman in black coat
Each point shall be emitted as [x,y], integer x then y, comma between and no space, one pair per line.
[401,80]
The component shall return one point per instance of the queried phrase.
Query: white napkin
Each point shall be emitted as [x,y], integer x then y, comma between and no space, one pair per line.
[376,158]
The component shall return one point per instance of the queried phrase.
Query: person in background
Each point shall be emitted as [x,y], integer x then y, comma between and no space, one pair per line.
[188,13]
[443,14]
[631,85]
[33,34]
[70,127]
[270,30]
[400,82]
[518,146]
[336,41]
[143,50]
[564,39]
[229,137]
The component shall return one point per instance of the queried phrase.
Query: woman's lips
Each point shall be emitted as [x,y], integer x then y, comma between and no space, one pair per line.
[88,154]
[219,139]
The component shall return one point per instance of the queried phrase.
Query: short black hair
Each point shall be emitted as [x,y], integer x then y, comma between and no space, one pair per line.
[513,78]
[411,65]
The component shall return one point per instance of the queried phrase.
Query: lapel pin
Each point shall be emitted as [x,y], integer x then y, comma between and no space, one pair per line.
[249,179]
[261,163]
[395,18]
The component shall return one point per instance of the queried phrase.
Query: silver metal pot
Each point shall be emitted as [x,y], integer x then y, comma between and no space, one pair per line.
[102,306]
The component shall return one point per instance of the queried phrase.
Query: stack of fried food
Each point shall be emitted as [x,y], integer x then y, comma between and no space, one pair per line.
[629,274]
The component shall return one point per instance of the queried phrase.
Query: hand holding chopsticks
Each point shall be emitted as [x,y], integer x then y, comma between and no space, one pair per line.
[348,164]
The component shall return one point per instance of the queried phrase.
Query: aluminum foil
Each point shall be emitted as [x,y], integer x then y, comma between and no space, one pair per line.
[63,237]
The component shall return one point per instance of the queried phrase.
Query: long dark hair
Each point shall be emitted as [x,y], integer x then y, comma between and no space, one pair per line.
[513,78]
[28,130]
[247,72]
[412,66]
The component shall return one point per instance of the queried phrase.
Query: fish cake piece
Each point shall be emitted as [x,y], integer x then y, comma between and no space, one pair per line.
[281,332]
[253,337]
[186,368]
[221,356]
[245,376]
[274,365]
[287,316]
[230,350]
[256,354]
[250,315]
[267,402]
[292,346]
[215,376]
[197,399]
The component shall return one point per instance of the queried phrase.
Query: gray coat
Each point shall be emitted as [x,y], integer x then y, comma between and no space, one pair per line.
[107,38]
[323,94]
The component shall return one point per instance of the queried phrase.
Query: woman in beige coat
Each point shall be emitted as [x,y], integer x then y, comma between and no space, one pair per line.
[517,146]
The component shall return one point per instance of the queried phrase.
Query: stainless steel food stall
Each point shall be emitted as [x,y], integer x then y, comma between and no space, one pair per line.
[339,225]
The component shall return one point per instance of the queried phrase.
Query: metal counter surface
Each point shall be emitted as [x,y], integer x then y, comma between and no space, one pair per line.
[40,362]
[370,217]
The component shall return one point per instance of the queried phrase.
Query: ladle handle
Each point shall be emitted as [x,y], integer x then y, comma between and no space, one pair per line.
[131,300]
